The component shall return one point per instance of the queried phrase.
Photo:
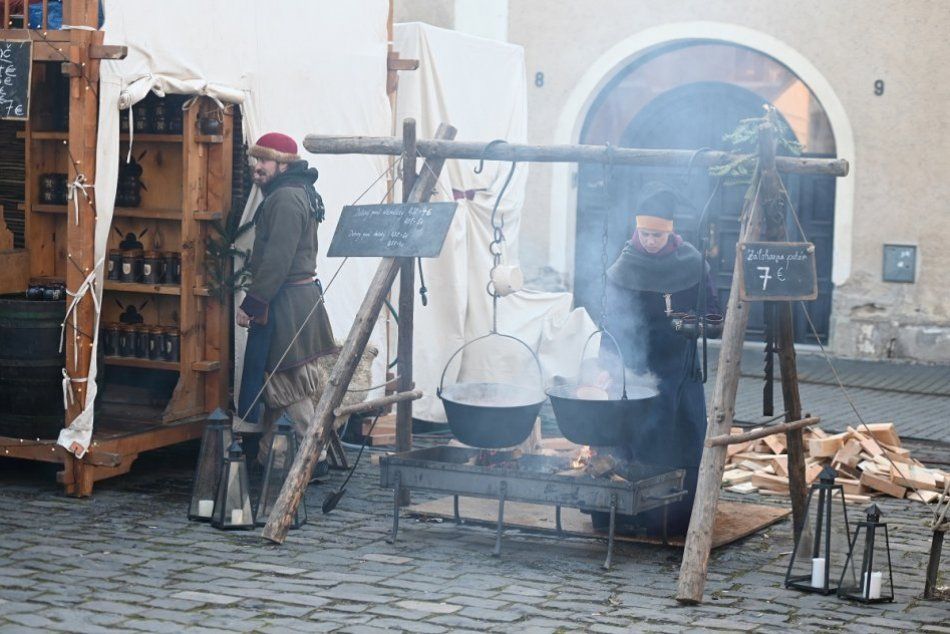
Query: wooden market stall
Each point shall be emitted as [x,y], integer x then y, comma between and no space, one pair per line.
[145,400]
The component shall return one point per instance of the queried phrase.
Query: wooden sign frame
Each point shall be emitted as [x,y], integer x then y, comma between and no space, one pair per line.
[762,296]
[29,82]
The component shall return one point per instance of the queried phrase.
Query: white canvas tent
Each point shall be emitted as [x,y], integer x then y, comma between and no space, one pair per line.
[298,67]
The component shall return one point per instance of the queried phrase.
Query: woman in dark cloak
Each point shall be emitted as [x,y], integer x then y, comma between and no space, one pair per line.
[657,276]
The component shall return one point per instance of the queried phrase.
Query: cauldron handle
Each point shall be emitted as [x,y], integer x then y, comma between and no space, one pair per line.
[534,356]
[623,369]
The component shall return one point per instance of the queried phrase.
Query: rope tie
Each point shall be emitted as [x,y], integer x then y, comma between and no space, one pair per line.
[88,284]
[79,183]
[69,397]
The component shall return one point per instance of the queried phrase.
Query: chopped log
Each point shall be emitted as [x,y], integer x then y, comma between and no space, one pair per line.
[780,464]
[851,487]
[883,485]
[771,482]
[812,472]
[826,447]
[776,443]
[731,439]
[736,476]
[744,488]
[313,442]
[927,497]
[856,498]
[913,477]
[884,433]
[849,454]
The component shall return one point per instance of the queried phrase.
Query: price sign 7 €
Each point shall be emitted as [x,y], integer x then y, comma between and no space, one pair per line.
[777,271]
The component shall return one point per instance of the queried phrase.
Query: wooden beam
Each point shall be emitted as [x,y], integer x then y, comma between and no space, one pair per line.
[365,406]
[81,227]
[733,439]
[318,430]
[692,579]
[435,148]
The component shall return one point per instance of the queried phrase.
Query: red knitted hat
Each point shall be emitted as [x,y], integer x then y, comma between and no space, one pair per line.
[276,147]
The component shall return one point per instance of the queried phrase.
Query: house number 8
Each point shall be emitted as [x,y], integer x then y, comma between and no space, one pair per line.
[879,87]
[539,79]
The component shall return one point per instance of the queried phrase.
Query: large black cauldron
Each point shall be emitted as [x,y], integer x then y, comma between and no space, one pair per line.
[491,415]
[609,422]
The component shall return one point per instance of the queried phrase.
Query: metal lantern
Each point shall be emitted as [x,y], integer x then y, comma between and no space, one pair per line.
[283,450]
[214,441]
[232,506]
[868,584]
[822,546]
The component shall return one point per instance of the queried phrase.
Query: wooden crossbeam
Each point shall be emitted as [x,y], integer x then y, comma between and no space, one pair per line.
[735,439]
[438,148]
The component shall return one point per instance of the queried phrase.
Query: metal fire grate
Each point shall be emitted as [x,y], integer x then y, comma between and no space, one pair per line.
[528,478]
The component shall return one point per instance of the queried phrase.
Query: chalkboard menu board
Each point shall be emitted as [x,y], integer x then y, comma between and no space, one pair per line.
[16,64]
[777,271]
[403,230]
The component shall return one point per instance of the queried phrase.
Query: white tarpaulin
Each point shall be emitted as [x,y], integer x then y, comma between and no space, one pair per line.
[478,86]
[296,66]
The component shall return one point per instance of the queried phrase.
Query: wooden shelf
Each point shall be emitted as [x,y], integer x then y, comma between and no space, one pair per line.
[155,289]
[209,138]
[152,214]
[151,138]
[119,212]
[148,364]
[208,215]
[47,135]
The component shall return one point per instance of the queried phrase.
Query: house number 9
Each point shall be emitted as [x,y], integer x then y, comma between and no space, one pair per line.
[539,79]
[879,87]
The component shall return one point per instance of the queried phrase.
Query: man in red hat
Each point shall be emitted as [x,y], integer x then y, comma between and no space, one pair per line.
[288,325]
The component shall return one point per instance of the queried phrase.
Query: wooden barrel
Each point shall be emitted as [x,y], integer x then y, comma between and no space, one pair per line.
[31,366]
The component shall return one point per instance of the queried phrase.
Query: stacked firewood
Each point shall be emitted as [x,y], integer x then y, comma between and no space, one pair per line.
[870,462]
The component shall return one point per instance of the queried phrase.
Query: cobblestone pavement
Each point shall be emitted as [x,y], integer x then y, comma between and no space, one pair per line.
[129,560]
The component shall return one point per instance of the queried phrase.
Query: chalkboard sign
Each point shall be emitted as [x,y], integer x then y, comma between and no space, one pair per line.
[404,230]
[777,271]
[16,64]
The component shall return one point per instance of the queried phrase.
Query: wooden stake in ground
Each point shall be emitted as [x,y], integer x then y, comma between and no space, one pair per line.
[692,578]
[313,442]
[407,303]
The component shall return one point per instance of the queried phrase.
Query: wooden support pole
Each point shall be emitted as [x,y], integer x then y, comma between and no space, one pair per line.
[365,406]
[81,224]
[435,148]
[735,439]
[795,442]
[692,579]
[318,431]
[407,303]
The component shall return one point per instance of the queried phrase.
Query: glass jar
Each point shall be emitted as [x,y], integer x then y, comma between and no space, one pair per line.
[125,346]
[156,341]
[152,265]
[172,268]
[131,266]
[172,350]
[141,341]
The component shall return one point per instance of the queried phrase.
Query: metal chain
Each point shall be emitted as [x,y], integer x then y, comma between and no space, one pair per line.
[608,169]
[498,231]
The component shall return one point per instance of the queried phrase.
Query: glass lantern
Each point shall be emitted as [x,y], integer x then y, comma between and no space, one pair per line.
[871,583]
[215,439]
[822,547]
[283,450]
[232,506]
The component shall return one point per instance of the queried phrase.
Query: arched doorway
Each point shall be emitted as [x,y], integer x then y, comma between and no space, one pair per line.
[687,96]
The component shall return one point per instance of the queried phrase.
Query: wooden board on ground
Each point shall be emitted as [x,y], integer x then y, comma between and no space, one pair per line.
[734,520]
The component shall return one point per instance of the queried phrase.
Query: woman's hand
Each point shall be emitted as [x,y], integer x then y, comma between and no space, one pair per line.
[243,319]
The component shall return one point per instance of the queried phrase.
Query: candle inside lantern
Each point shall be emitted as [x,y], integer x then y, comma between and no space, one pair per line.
[818,572]
[205,508]
[237,516]
[874,592]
